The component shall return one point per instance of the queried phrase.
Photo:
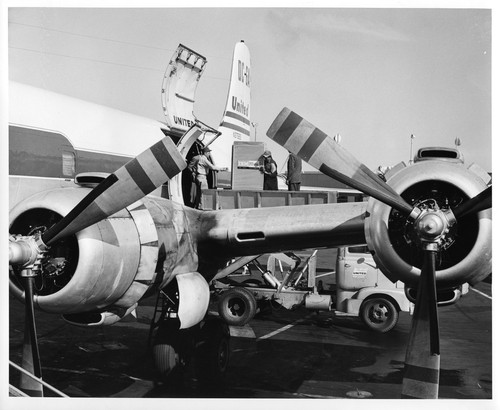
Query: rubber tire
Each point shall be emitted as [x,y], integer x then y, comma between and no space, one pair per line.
[212,352]
[170,346]
[237,306]
[379,314]
[165,359]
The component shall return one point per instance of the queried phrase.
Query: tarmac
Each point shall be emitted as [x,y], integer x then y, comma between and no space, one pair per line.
[280,354]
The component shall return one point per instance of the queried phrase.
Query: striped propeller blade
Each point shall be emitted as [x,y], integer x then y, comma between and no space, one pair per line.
[31,354]
[421,373]
[480,202]
[311,144]
[137,178]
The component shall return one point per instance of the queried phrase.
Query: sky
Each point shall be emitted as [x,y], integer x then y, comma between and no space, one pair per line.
[374,76]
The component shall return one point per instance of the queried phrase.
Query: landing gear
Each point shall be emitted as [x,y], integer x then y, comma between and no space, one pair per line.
[201,351]
[171,349]
[212,351]
[203,348]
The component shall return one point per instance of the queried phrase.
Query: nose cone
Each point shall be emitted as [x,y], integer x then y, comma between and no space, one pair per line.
[431,226]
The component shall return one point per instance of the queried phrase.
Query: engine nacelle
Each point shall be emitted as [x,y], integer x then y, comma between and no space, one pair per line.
[99,274]
[96,268]
[465,251]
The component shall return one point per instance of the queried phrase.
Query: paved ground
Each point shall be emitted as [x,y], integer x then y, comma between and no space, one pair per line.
[282,354]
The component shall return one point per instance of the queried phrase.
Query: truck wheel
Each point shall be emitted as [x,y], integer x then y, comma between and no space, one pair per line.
[379,314]
[237,306]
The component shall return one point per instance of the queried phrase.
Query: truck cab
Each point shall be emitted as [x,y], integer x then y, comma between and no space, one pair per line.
[363,290]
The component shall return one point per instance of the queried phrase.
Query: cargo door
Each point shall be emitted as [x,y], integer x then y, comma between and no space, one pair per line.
[179,87]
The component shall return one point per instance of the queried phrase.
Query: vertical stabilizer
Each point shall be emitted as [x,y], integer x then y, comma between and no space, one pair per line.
[235,125]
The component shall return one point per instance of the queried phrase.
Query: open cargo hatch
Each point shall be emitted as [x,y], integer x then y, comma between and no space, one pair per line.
[179,87]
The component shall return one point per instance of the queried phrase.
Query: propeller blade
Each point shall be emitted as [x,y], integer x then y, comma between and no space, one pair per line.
[137,178]
[421,373]
[315,147]
[480,202]
[31,356]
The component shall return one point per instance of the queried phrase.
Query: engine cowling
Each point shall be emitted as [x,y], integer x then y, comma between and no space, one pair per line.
[98,275]
[465,248]
[94,269]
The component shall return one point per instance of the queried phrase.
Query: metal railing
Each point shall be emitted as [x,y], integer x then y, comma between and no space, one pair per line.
[14,391]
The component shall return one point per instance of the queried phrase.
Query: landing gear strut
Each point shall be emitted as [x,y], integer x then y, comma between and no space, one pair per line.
[203,348]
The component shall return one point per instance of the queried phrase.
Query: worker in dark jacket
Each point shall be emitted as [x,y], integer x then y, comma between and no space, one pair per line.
[294,172]
[200,166]
[270,170]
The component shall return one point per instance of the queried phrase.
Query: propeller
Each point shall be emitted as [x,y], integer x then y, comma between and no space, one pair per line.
[421,377]
[137,178]
[134,180]
[480,202]
[421,373]
[31,355]
[315,147]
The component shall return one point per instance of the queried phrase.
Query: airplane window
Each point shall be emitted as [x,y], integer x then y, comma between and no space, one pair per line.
[68,163]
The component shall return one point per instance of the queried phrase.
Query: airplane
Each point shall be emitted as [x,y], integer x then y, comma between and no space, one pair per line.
[100,242]
[99,250]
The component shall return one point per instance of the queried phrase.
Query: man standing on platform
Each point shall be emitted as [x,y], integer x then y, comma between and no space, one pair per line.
[270,170]
[202,165]
[294,172]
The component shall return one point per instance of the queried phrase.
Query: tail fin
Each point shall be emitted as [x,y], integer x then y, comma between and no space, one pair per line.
[235,124]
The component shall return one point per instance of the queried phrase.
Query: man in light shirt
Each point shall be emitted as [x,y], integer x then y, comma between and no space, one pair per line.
[202,165]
